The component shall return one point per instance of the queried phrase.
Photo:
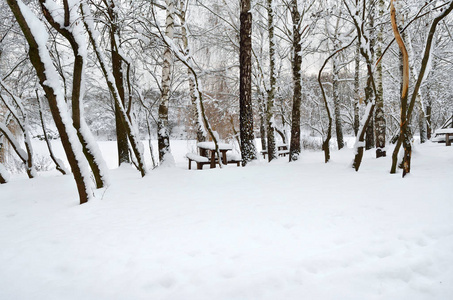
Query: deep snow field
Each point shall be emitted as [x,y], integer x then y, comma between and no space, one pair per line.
[279,231]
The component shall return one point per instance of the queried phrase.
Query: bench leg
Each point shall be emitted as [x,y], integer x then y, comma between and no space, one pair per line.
[199,166]
[447,140]
[190,164]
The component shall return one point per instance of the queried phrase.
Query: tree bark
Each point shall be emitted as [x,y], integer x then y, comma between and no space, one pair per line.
[404,134]
[270,126]
[117,70]
[379,116]
[136,145]
[356,124]
[163,133]
[336,101]
[426,55]
[201,134]
[55,100]
[99,173]
[248,149]
[294,149]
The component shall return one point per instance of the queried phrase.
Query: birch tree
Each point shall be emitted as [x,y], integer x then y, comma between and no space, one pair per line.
[163,134]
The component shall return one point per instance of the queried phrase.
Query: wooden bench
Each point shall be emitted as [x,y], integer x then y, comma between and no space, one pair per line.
[200,160]
[448,132]
[282,150]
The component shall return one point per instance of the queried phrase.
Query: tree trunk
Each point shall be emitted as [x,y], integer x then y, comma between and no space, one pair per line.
[379,116]
[369,141]
[357,90]
[248,149]
[336,101]
[136,145]
[97,163]
[40,58]
[117,70]
[294,149]
[271,145]
[404,130]
[163,133]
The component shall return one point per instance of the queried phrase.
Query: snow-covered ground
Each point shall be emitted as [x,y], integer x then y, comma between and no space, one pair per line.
[305,230]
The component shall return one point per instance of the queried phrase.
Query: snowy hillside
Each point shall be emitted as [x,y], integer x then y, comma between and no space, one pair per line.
[305,230]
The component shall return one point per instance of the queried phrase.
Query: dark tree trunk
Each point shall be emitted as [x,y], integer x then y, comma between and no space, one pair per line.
[248,150]
[357,90]
[78,69]
[117,70]
[294,149]
[271,145]
[51,94]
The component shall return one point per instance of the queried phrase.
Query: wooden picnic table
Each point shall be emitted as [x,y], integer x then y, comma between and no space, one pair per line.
[448,133]
[207,149]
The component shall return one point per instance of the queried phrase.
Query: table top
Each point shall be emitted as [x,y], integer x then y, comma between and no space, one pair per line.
[211,146]
[444,130]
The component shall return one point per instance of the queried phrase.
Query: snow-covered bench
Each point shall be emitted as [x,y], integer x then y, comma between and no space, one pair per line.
[282,150]
[448,132]
[233,158]
[200,160]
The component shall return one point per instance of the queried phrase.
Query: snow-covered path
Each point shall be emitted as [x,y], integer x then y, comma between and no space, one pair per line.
[304,230]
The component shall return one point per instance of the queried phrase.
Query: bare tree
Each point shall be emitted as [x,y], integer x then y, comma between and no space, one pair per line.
[248,149]
[40,58]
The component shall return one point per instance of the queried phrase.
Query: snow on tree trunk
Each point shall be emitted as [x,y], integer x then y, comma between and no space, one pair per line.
[36,35]
[117,70]
[294,149]
[248,149]
[72,30]
[201,133]
[136,145]
[356,14]
[425,64]
[163,134]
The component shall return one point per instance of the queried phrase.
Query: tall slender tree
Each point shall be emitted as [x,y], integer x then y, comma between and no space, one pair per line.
[379,117]
[33,30]
[294,149]
[248,149]
[163,133]
[117,71]
[270,126]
